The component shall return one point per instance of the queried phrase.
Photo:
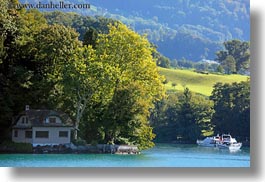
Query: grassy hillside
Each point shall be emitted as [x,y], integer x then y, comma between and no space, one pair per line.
[196,82]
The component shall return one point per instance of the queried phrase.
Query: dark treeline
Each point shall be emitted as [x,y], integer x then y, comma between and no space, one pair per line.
[200,66]
[182,117]
[234,59]
[232,109]
[185,117]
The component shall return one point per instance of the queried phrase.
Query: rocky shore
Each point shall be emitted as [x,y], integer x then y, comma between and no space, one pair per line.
[72,149]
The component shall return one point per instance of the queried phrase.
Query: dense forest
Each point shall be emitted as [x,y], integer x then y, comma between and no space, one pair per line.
[190,29]
[229,58]
[106,78]
[108,90]
[185,117]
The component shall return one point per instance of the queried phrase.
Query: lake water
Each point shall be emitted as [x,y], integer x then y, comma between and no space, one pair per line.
[160,156]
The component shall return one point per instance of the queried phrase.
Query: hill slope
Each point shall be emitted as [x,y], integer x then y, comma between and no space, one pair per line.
[196,82]
[193,29]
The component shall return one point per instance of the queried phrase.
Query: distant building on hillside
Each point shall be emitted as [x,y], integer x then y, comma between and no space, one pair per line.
[209,61]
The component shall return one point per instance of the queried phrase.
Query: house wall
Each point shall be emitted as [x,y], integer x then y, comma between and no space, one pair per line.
[21,137]
[53,138]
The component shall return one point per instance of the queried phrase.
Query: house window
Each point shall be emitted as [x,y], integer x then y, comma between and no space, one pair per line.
[15,133]
[24,120]
[63,134]
[52,120]
[28,134]
[42,134]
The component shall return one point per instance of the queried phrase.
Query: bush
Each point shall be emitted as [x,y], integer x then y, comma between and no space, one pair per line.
[94,142]
[79,142]
[12,147]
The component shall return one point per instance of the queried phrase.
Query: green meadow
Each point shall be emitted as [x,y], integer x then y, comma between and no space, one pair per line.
[196,82]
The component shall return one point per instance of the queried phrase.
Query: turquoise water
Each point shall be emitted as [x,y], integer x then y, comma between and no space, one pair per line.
[159,156]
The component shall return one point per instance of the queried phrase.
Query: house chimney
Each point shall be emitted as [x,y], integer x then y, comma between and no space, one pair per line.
[27,108]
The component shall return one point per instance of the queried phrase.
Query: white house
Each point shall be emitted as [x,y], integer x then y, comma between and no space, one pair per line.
[42,127]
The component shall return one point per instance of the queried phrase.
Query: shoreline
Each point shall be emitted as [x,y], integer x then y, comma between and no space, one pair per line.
[72,149]
[87,149]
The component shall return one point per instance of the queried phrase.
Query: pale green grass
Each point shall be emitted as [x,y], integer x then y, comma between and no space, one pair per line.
[196,82]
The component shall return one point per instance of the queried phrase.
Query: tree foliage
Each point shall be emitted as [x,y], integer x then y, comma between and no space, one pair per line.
[84,80]
[11,78]
[90,37]
[107,85]
[235,57]
[161,60]
[232,109]
[186,119]
[87,26]
[112,88]
[31,65]
[136,86]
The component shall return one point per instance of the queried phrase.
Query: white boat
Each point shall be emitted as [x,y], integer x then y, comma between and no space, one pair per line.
[227,142]
[231,146]
[224,141]
[209,141]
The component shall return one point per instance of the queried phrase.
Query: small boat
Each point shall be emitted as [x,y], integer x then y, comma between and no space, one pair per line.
[227,142]
[230,146]
[224,141]
[209,141]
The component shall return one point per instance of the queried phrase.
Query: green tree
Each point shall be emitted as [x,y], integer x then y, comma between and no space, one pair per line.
[90,37]
[232,109]
[108,91]
[131,57]
[184,117]
[83,81]
[194,116]
[164,118]
[161,60]
[187,128]
[49,50]
[239,51]
[32,62]
[229,65]
[174,63]
[220,69]
[12,78]
[183,63]
[86,26]
[8,27]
